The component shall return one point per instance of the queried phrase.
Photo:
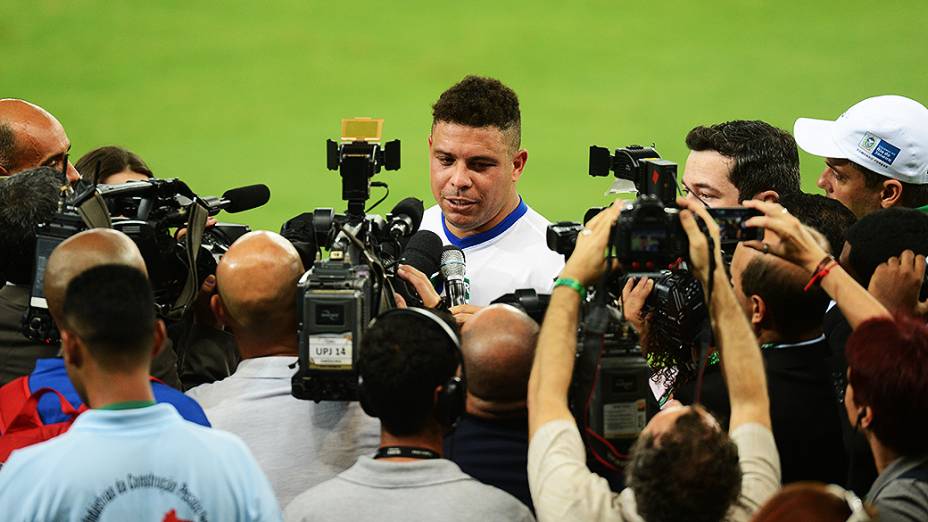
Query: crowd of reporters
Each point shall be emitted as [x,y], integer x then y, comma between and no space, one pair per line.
[807,402]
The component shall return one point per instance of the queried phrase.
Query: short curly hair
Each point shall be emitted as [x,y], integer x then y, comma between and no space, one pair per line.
[689,473]
[477,101]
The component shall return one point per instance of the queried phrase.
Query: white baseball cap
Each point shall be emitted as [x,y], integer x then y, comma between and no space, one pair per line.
[885,134]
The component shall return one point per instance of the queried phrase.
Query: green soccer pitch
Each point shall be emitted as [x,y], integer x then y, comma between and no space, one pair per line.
[223,94]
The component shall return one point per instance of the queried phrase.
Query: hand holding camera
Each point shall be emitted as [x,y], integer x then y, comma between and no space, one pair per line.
[791,240]
[587,263]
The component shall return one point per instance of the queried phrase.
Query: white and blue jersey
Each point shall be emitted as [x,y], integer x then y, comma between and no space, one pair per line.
[512,255]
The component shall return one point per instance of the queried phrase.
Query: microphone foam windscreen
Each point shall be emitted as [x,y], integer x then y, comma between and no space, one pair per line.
[423,251]
[411,207]
[246,198]
[452,262]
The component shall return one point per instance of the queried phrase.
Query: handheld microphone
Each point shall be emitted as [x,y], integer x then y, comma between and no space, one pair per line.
[423,252]
[405,218]
[452,271]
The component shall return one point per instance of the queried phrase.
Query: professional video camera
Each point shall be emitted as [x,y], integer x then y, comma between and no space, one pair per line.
[146,211]
[340,294]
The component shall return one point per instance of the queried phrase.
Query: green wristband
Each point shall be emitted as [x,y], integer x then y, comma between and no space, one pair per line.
[571,283]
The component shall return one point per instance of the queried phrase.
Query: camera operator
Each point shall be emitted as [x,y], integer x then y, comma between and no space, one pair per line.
[874,154]
[26,200]
[127,455]
[298,443]
[683,466]
[409,364]
[31,137]
[886,383]
[73,256]
[475,164]
[490,442]
[738,160]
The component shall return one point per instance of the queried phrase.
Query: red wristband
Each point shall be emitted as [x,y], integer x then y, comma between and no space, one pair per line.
[824,267]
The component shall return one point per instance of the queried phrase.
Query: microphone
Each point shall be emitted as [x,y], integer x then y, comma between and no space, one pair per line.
[239,199]
[452,271]
[405,218]
[423,252]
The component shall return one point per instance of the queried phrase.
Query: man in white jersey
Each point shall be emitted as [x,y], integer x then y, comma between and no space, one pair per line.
[475,163]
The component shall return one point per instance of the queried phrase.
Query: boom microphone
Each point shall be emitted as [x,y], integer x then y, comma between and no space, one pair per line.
[406,217]
[239,199]
[452,271]
[423,252]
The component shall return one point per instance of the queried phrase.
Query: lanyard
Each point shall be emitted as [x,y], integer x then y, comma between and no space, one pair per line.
[714,358]
[406,452]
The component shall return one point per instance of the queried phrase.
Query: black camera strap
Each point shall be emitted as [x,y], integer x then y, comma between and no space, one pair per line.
[406,452]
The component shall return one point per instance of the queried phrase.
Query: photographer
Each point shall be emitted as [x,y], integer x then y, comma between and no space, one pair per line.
[408,364]
[299,444]
[683,467]
[886,383]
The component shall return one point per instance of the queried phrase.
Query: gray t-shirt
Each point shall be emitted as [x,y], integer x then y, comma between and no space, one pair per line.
[405,492]
[897,496]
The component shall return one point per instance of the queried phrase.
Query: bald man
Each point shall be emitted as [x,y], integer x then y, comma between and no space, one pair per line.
[31,137]
[74,256]
[490,442]
[297,443]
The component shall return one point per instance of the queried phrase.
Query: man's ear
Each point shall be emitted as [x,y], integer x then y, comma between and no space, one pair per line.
[758,311]
[865,415]
[160,335]
[219,310]
[891,193]
[71,350]
[518,164]
[430,141]
[770,196]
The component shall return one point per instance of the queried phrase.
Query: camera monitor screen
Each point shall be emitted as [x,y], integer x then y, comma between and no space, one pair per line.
[648,241]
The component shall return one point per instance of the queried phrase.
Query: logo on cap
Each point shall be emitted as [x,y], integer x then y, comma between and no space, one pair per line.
[868,143]
[886,152]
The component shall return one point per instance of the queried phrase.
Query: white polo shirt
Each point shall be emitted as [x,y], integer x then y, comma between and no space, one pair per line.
[512,255]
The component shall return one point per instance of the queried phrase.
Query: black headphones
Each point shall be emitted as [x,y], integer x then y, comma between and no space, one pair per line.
[452,397]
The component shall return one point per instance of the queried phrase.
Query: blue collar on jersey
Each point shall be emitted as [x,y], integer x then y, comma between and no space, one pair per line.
[483,237]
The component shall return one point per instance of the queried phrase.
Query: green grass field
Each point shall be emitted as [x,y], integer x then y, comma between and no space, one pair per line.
[233,93]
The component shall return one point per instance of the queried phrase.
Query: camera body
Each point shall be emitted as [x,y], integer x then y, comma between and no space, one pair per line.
[334,309]
[648,236]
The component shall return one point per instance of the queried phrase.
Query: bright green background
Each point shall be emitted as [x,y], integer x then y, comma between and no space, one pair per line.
[233,93]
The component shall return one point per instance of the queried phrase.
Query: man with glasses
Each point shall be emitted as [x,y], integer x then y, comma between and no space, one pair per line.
[738,160]
[31,137]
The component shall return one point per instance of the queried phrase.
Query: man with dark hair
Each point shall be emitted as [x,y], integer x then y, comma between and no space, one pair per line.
[683,465]
[127,455]
[310,442]
[476,160]
[26,200]
[831,218]
[408,368]
[738,160]
[787,322]
[876,154]
[490,442]
[31,137]
[887,396]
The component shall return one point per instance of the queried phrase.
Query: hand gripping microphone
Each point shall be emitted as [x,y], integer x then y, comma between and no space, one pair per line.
[423,252]
[452,271]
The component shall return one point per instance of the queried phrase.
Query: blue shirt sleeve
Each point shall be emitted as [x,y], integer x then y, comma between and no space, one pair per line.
[188,408]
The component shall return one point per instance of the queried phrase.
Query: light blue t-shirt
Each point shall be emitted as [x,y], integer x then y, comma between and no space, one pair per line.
[145,464]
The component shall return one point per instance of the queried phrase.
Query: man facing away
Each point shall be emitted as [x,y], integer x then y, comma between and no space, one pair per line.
[490,442]
[409,364]
[128,457]
[298,443]
[475,163]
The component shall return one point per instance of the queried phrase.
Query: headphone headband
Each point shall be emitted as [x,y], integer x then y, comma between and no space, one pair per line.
[424,313]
